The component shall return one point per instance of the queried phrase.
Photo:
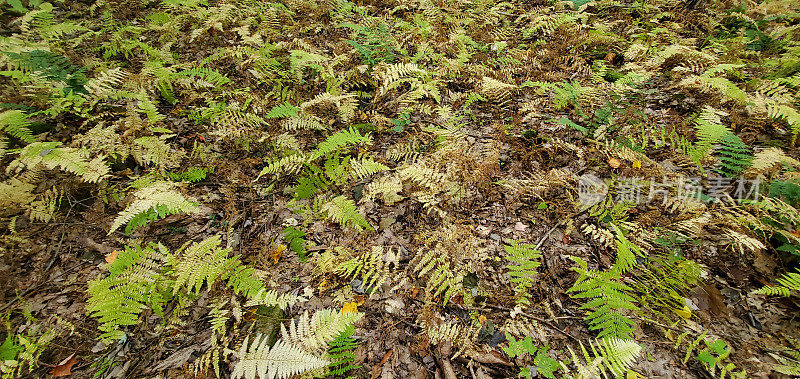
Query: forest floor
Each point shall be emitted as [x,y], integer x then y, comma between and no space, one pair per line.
[616,181]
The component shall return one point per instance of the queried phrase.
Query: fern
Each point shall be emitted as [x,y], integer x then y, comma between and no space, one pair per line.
[608,296]
[340,353]
[789,364]
[294,237]
[768,158]
[524,260]
[271,298]
[282,360]
[285,110]
[388,187]
[51,156]
[338,141]
[496,89]
[344,212]
[368,267]
[208,75]
[290,164]
[155,201]
[15,123]
[191,174]
[609,357]
[118,299]
[734,155]
[788,285]
[395,72]
[51,67]
[303,123]
[461,337]
[200,263]
[441,278]
[364,167]
[313,333]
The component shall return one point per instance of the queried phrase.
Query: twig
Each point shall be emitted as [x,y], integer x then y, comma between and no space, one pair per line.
[546,235]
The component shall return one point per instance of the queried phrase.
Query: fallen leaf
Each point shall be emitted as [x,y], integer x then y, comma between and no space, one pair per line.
[65,367]
[277,253]
[386,357]
[414,293]
[111,257]
[351,307]
[482,319]
[520,227]
[685,312]
[614,162]
[376,370]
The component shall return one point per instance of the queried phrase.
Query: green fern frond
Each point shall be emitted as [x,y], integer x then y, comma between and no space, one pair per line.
[156,201]
[211,77]
[200,263]
[788,285]
[712,135]
[627,252]
[608,296]
[340,353]
[118,299]
[340,140]
[282,360]
[344,212]
[15,123]
[284,110]
[524,260]
[734,155]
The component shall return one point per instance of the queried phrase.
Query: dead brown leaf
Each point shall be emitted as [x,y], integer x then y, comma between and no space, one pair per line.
[65,367]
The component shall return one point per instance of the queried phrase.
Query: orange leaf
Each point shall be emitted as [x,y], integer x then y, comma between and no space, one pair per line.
[614,162]
[482,319]
[112,256]
[65,367]
[277,253]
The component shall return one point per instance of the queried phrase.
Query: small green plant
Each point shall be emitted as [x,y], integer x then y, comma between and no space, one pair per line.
[401,122]
[545,365]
